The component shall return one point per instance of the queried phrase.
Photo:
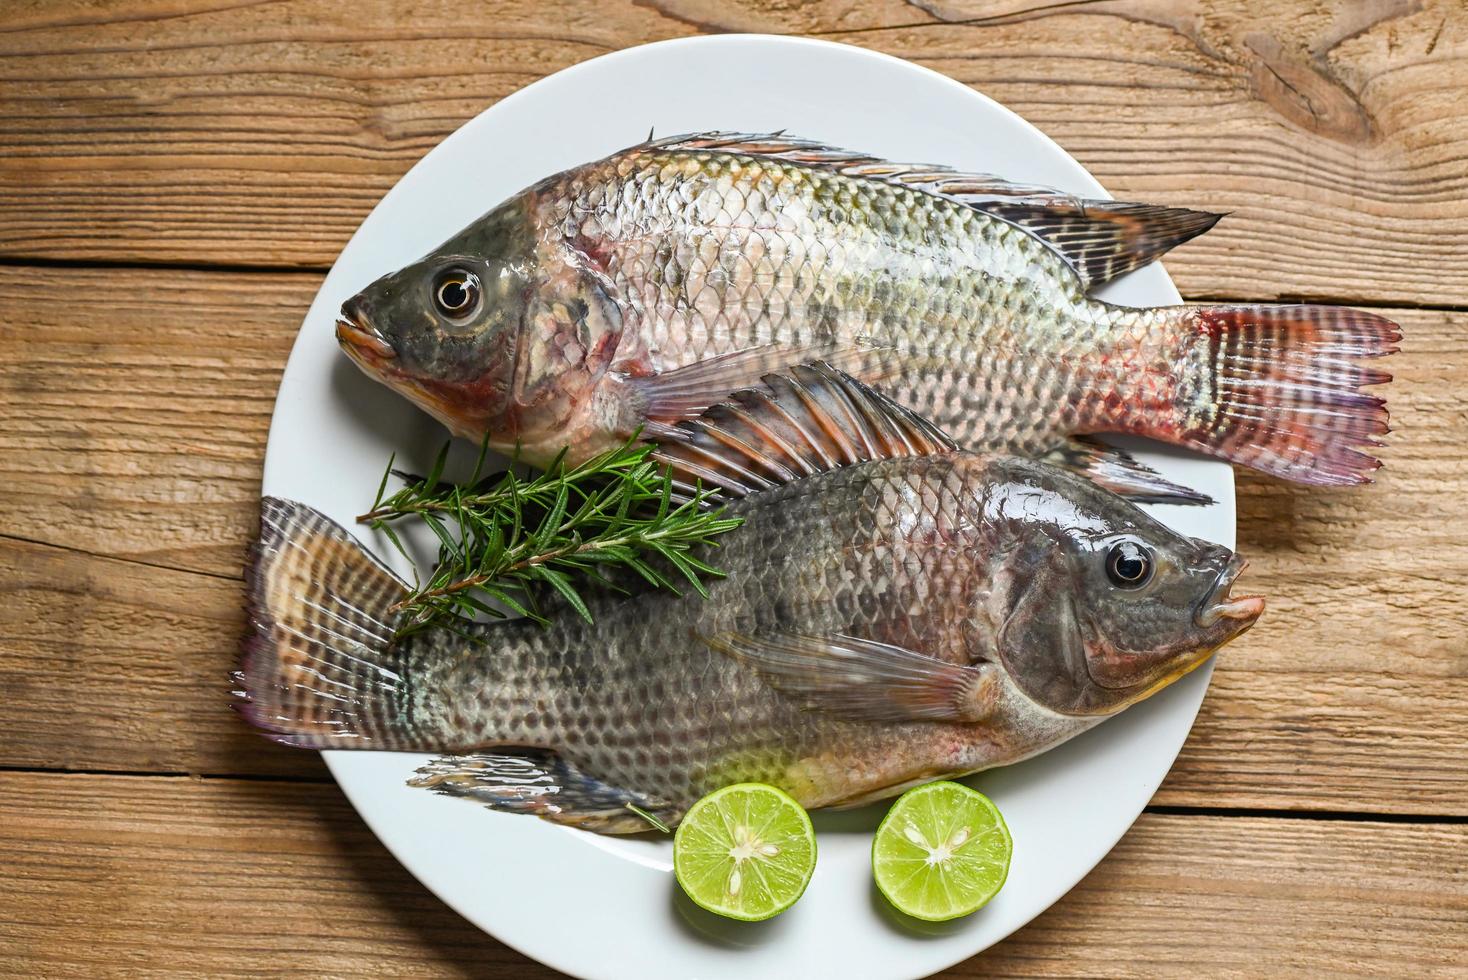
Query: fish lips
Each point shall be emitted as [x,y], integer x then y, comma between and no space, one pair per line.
[1218,605]
[362,341]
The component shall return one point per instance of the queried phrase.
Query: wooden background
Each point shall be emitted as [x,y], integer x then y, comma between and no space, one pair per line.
[175,177]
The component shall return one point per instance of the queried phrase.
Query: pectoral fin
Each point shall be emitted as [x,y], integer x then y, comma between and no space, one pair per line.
[543,784]
[682,393]
[864,679]
[1118,471]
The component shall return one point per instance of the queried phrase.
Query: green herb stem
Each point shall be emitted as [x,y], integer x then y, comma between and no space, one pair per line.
[505,539]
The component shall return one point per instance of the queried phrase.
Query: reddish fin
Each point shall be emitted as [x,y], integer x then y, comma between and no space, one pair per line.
[684,393]
[859,678]
[319,669]
[1099,239]
[1285,390]
[811,419]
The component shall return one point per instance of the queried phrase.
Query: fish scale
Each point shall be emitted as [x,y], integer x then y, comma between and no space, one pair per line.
[904,611]
[645,287]
[706,271]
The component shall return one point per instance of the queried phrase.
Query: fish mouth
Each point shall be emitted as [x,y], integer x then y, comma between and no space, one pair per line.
[1219,605]
[360,339]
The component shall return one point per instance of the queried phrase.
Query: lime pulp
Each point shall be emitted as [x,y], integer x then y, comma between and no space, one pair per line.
[941,852]
[746,851]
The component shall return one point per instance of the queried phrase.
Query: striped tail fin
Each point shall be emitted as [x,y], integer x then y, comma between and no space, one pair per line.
[319,666]
[1282,391]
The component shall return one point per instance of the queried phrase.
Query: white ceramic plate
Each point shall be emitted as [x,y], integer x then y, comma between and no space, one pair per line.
[606,907]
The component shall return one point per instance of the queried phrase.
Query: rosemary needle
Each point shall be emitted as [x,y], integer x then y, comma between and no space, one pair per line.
[502,538]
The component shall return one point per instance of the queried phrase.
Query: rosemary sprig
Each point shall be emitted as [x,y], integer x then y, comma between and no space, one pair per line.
[505,537]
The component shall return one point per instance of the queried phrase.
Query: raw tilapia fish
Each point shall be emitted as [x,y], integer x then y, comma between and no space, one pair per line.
[647,286]
[921,612]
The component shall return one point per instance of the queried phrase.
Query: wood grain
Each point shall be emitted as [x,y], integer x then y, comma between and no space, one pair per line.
[200,131]
[138,435]
[139,430]
[134,406]
[114,876]
[112,665]
[116,666]
[233,878]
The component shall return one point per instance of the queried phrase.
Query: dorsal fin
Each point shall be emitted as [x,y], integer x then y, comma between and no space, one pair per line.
[807,420]
[1100,240]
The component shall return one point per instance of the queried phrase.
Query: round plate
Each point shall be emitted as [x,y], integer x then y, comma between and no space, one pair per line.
[607,907]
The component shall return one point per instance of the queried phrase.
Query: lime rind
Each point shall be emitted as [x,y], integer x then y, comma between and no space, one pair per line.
[942,852]
[745,852]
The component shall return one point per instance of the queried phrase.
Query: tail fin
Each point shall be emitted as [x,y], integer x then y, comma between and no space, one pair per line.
[1282,390]
[319,668]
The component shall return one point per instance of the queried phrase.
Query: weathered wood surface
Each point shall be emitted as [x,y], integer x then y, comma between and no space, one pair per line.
[109,876]
[139,435]
[201,131]
[134,405]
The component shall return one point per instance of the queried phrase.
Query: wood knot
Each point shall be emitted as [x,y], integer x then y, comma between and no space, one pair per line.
[1301,88]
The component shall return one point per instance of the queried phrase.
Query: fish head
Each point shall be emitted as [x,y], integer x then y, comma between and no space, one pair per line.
[1099,604]
[494,334]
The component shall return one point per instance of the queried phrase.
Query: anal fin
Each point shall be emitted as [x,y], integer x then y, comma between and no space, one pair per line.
[542,784]
[1121,473]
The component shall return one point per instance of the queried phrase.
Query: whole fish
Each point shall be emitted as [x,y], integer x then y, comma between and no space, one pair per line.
[646,286]
[918,612]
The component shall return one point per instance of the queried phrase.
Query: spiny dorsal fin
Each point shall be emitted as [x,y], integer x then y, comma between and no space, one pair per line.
[808,420]
[1100,240]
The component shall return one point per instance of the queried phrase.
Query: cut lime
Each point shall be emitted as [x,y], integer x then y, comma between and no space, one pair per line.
[746,851]
[942,851]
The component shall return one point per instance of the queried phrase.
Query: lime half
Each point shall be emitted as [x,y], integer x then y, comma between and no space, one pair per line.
[746,851]
[942,851]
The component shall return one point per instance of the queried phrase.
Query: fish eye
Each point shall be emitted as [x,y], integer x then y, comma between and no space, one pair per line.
[1129,565]
[456,293]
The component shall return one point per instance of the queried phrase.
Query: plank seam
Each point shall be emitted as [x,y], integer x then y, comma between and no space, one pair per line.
[1345,816]
[22,539]
[146,265]
[169,774]
[248,269]
[1340,816]
[1329,300]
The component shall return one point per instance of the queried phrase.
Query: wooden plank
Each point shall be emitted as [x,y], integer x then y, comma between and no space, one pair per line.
[139,435]
[139,430]
[203,132]
[106,664]
[148,877]
[1328,131]
[115,666]
[1366,620]
[233,878]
